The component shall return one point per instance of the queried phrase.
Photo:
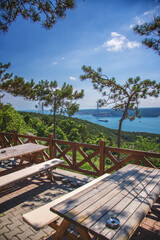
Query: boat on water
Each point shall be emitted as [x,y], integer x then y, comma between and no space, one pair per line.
[103,120]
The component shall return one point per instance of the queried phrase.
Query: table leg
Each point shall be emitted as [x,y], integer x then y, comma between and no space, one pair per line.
[84,234]
[60,232]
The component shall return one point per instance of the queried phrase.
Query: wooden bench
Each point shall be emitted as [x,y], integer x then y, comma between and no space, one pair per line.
[42,216]
[22,174]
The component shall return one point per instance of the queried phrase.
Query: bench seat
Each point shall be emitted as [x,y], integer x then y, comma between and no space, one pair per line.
[22,174]
[42,216]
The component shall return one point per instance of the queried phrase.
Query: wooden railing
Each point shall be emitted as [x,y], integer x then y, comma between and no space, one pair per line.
[85,158]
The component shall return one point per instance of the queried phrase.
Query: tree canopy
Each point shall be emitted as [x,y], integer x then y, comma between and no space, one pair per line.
[152,31]
[46,12]
[123,97]
[61,100]
[10,120]
[3,76]
[15,85]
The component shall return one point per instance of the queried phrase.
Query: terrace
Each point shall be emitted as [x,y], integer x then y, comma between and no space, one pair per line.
[33,192]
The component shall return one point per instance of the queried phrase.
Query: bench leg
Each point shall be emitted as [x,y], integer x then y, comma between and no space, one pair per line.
[50,175]
[61,230]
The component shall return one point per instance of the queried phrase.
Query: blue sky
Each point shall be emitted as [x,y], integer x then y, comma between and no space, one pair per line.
[97,33]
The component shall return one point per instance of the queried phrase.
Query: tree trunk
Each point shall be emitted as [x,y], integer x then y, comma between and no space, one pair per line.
[54,115]
[54,128]
[119,137]
[119,133]
[120,125]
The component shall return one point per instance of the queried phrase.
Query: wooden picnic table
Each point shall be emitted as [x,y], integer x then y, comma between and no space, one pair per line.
[127,194]
[26,152]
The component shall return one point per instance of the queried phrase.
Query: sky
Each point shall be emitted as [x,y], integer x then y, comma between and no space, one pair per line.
[96,33]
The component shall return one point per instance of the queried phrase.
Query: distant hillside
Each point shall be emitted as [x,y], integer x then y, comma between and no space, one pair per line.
[145,112]
[96,129]
[92,128]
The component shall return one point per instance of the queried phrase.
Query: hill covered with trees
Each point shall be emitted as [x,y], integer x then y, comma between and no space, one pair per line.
[73,129]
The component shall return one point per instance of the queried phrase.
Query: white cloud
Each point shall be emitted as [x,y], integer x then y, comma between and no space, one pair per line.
[133,44]
[146,16]
[54,63]
[72,78]
[115,34]
[57,62]
[119,42]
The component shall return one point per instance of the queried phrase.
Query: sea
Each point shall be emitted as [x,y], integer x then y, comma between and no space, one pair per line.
[144,124]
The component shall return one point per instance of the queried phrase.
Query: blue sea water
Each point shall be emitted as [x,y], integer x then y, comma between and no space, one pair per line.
[144,124]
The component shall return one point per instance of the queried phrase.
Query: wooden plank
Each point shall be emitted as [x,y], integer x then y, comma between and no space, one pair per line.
[89,186]
[40,217]
[79,198]
[96,208]
[131,225]
[20,150]
[134,152]
[111,157]
[149,184]
[15,168]
[88,160]
[146,162]
[79,201]
[27,172]
[121,163]
[119,207]
[130,188]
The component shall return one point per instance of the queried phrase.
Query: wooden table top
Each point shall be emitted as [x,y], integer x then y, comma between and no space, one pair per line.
[127,194]
[20,150]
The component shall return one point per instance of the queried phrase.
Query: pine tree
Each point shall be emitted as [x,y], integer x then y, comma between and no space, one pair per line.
[124,97]
[152,31]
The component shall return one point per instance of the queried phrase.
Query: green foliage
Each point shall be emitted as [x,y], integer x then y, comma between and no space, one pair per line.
[124,97]
[91,132]
[17,86]
[74,135]
[152,31]
[59,99]
[45,12]
[60,134]
[10,120]
[71,129]
[144,144]
[4,76]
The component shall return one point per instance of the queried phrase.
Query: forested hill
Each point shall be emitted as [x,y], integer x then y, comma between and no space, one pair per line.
[73,129]
[145,112]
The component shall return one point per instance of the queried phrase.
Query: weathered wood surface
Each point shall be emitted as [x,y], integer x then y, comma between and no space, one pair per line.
[20,150]
[42,216]
[28,172]
[128,194]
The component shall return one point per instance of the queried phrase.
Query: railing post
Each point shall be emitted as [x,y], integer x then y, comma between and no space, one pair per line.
[51,147]
[136,160]
[15,137]
[1,139]
[102,158]
[74,155]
